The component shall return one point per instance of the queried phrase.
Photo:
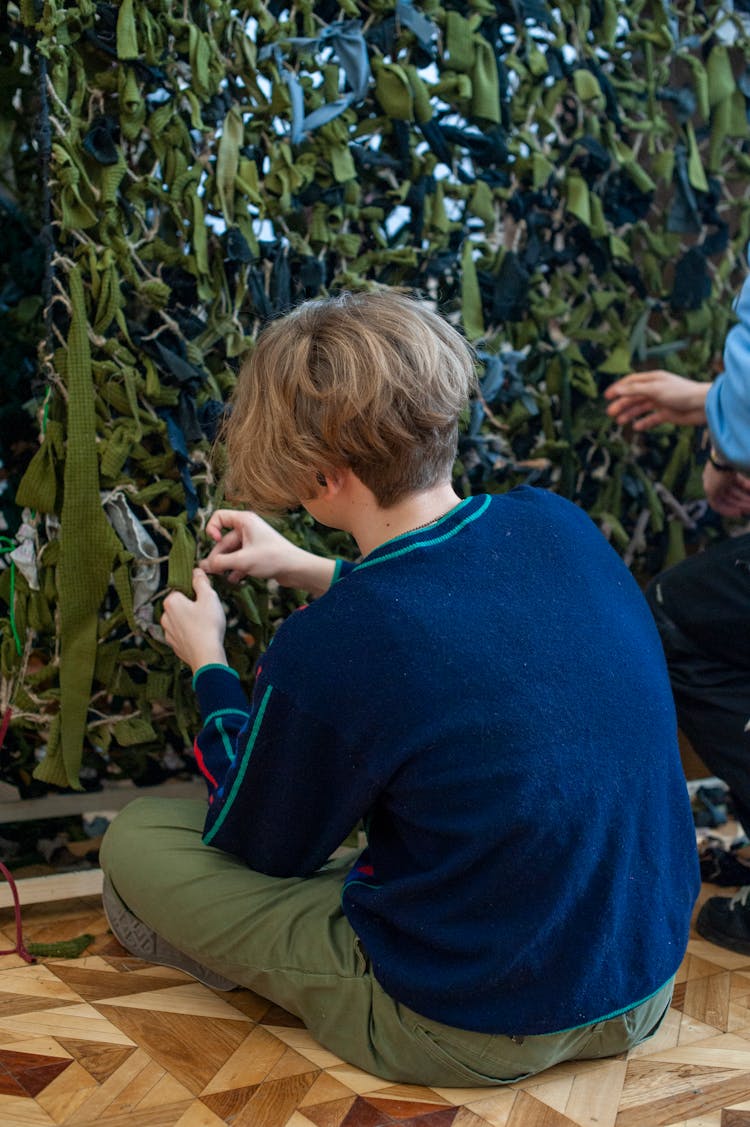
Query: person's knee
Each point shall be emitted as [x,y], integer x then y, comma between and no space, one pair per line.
[126,835]
[145,829]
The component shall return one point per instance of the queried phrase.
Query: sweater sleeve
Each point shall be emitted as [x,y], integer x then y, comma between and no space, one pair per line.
[291,789]
[728,399]
[224,712]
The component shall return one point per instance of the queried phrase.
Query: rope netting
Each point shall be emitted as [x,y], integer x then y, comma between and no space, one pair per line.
[567,181]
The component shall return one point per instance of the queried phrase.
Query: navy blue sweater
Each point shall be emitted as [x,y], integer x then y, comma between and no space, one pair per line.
[490,695]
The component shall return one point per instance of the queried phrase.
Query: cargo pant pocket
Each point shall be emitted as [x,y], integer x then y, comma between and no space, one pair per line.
[458,1066]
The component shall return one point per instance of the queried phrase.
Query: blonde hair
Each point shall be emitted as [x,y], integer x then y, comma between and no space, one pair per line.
[370,381]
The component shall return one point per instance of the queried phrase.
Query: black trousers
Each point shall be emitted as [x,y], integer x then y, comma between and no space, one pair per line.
[702,609]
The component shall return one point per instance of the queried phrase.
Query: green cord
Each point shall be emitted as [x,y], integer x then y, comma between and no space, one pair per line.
[62,949]
[7,545]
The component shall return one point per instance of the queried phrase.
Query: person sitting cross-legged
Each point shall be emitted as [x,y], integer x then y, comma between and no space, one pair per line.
[702,605]
[485,689]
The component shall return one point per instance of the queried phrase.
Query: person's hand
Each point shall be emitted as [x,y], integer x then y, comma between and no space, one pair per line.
[649,398]
[195,628]
[727,492]
[246,545]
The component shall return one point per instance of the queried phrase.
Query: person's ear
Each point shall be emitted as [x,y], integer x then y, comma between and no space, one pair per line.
[331,481]
[335,480]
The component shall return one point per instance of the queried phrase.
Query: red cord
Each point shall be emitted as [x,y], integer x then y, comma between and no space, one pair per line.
[19,948]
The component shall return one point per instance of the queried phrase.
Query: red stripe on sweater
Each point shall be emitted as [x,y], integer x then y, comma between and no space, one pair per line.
[202,765]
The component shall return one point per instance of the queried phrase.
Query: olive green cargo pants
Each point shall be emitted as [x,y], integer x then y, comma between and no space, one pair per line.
[288,940]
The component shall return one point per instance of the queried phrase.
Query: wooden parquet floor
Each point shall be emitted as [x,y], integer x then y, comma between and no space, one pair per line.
[110,1041]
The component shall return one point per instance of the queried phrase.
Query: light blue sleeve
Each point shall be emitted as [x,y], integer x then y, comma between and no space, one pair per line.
[728,399]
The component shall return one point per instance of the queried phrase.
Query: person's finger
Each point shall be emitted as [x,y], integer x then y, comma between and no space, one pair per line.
[219,562]
[637,383]
[626,409]
[228,541]
[215,526]
[642,417]
[219,559]
[623,386]
[174,600]
[654,419]
[221,521]
[201,583]
[212,564]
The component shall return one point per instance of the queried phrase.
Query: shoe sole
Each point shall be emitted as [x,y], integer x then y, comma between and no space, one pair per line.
[143,942]
[706,931]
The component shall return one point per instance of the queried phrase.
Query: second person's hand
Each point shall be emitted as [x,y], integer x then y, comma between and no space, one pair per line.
[649,398]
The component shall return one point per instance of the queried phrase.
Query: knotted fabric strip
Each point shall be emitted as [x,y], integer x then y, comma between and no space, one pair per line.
[88,548]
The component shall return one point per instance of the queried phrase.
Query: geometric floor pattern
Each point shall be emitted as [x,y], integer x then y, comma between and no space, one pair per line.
[109,1041]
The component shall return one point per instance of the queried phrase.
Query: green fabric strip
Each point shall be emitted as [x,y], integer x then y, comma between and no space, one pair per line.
[88,548]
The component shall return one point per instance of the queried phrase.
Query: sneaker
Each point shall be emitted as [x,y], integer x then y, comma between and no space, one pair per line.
[726,921]
[140,940]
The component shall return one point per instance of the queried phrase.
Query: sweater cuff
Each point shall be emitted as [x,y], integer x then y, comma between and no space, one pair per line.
[218,686]
[342,568]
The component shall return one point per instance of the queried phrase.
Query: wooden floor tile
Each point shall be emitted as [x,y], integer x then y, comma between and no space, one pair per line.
[656,1093]
[67,1021]
[198,1115]
[530,1112]
[23,1112]
[98,1060]
[192,1048]
[67,1092]
[185,998]
[96,985]
[109,1041]
[492,1106]
[707,999]
[465,1117]
[251,1062]
[274,1102]
[736,1116]
[403,1109]
[330,1113]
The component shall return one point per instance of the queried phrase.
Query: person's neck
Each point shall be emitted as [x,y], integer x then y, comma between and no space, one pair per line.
[371,525]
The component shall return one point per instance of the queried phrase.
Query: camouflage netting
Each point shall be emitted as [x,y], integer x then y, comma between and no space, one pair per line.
[565,180]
